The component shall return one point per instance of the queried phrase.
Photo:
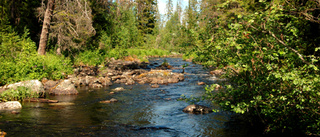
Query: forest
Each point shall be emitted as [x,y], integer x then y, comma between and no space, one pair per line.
[269,49]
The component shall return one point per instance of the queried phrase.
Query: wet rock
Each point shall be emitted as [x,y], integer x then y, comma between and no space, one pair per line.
[201,83]
[129,81]
[155,86]
[173,80]
[64,88]
[105,81]
[10,105]
[90,80]
[96,85]
[41,100]
[197,109]
[33,85]
[118,89]
[109,101]
[113,100]
[15,112]
[62,104]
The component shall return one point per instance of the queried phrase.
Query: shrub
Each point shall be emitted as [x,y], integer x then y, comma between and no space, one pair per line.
[19,60]
[88,57]
[18,94]
[278,82]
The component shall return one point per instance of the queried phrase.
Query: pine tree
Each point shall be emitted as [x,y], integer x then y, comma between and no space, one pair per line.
[146,11]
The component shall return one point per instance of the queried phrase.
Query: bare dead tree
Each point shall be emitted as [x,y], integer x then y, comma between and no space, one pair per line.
[46,27]
[71,24]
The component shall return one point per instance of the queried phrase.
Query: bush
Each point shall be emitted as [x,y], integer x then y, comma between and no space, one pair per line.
[18,94]
[88,57]
[19,61]
[271,80]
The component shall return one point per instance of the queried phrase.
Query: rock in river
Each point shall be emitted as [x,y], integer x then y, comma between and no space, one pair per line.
[64,88]
[197,109]
[10,105]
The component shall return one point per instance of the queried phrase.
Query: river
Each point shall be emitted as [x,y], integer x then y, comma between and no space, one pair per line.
[140,111]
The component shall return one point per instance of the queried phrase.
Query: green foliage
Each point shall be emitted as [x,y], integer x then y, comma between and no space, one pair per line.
[270,61]
[88,57]
[18,94]
[146,16]
[117,53]
[19,60]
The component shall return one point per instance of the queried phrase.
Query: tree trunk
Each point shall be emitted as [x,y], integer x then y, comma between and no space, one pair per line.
[45,27]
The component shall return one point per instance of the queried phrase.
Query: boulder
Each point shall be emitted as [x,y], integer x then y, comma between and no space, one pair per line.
[64,88]
[50,84]
[130,81]
[197,109]
[33,85]
[10,105]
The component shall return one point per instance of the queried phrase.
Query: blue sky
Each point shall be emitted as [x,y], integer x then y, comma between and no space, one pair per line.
[162,5]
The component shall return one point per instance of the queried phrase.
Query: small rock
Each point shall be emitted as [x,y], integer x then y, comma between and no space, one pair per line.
[109,101]
[10,105]
[155,86]
[47,101]
[96,85]
[111,93]
[105,101]
[15,112]
[118,89]
[113,100]
[201,83]
[53,101]
[62,104]
[197,109]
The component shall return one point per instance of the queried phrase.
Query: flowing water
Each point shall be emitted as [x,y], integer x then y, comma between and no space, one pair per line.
[140,111]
